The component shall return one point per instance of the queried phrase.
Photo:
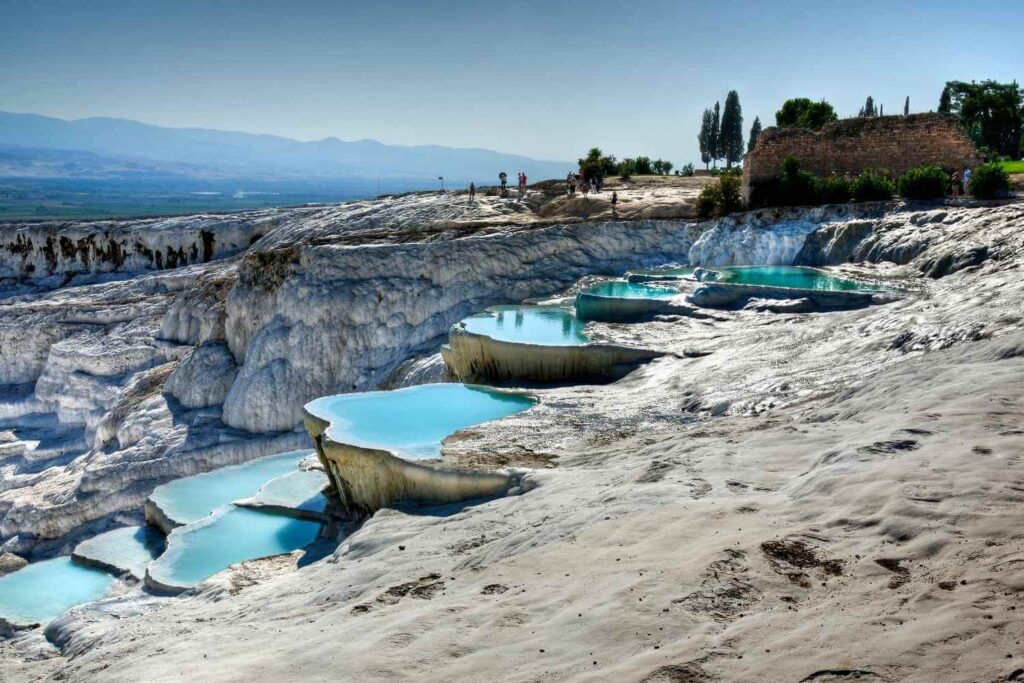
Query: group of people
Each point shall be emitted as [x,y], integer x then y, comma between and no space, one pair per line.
[503,186]
[577,182]
[960,182]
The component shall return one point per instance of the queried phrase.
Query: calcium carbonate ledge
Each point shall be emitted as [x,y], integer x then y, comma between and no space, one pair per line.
[475,357]
[367,479]
[727,295]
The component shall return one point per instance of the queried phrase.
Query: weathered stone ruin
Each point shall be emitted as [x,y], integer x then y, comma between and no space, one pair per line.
[894,143]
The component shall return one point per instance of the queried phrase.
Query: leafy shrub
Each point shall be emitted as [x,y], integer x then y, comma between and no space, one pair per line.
[872,186]
[833,190]
[687,170]
[708,199]
[721,197]
[796,186]
[730,196]
[989,181]
[643,166]
[926,182]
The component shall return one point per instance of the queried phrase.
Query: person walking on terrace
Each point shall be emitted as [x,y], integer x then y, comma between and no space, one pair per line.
[522,185]
[503,177]
[955,184]
[967,179]
[472,191]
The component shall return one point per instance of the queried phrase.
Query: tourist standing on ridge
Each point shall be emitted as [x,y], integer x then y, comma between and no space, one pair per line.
[522,185]
[967,179]
[955,183]
[503,177]
[472,191]
[615,200]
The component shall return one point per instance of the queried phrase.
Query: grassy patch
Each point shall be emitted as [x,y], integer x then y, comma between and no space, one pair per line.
[1012,166]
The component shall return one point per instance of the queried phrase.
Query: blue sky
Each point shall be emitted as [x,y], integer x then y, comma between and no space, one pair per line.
[548,78]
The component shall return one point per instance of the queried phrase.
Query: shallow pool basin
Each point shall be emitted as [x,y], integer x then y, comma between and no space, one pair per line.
[623,301]
[230,535]
[189,499]
[656,274]
[793,277]
[371,443]
[544,325]
[40,592]
[126,550]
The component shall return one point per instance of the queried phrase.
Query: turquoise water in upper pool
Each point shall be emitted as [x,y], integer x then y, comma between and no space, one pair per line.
[545,325]
[190,499]
[233,534]
[792,276]
[631,290]
[40,592]
[412,422]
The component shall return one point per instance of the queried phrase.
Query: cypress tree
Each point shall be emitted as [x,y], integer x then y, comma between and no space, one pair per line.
[715,139]
[881,110]
[704,138]
[732,130]
[869,108]
[755,131]
[945,101]
[906,106]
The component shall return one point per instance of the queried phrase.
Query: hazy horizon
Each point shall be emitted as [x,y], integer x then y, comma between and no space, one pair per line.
[544,80]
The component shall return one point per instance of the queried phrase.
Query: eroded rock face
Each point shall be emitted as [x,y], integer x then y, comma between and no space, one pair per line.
[204,377]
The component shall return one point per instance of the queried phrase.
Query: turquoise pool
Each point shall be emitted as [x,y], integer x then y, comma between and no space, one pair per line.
[40,592]
[129,548]
[412,422]
[796,277]
[232,534]
[190,499]
[545,325]
[630,290]
[301,490]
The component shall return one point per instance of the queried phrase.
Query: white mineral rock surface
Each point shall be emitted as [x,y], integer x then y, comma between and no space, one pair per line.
[784,496]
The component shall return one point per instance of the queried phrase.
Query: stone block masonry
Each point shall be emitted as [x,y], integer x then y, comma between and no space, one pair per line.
[894,143]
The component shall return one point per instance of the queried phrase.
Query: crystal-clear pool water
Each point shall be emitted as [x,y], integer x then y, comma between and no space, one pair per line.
[190,499]
[129,548]
[631,290]
[40,592]
[792,276]
[412,422]
[232,534]
[545,325]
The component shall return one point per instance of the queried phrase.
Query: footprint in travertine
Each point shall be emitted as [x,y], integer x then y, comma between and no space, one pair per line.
[736,486]
[724,590]
[689,672]
[493,589]
[423,588]
[699,487]
[789,555]
[655,472]
[890,447]
[841,676]
[902,574]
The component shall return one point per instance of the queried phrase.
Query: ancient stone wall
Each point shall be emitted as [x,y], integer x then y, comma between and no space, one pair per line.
[894,143]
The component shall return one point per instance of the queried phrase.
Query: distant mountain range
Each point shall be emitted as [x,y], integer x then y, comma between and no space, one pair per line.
[41,147]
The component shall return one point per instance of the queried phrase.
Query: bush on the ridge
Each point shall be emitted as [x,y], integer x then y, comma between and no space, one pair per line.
[721,197]
[872,186]
[687,170]
[926,182]
[708,199]
[796,186]
[834,190]
[989,181]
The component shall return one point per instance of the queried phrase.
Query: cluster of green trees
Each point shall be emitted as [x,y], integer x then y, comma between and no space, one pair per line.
[597,163]
[721,133]
[992,114]
[803,113]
